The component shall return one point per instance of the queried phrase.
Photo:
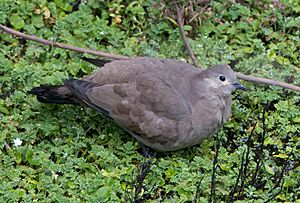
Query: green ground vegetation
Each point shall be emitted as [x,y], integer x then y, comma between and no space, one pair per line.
[73,154]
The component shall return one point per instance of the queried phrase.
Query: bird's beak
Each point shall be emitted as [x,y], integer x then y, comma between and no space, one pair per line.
[239,86]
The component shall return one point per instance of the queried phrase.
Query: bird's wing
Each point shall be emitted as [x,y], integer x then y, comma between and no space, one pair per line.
[149,107]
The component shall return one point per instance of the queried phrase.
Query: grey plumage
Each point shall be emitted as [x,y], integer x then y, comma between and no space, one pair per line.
[165,104]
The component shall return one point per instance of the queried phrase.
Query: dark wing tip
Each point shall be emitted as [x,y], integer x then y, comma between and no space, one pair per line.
[79,89]
[97,62]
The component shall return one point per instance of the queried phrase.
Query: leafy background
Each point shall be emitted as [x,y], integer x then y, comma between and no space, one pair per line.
[76,155]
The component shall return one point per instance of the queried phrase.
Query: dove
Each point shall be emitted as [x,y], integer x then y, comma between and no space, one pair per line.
[164,104]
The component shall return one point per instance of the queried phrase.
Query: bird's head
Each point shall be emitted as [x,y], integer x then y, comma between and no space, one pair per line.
[222,78]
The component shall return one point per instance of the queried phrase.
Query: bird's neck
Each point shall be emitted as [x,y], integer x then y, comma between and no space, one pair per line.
[209,102]
[206,94]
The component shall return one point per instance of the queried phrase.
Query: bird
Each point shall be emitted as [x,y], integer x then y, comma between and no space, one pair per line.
[165,104]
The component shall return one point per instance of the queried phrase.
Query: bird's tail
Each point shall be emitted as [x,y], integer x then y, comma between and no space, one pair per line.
[57,94]
[60,94]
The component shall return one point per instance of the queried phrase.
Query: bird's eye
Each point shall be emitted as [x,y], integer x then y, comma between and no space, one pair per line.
[222,78]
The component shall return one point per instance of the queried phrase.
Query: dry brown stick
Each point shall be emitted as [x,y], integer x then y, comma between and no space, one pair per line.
[251,78]
[118,57]
[185,40]
[60,45]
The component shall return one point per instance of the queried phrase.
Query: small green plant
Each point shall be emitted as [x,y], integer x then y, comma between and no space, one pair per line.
[70,154]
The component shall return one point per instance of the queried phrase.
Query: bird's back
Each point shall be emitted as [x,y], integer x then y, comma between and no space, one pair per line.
[125,71]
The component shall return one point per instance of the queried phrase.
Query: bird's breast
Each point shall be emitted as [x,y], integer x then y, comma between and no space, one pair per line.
[206,119]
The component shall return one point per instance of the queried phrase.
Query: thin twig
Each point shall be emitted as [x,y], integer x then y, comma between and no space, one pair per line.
[234,189]
[144,171]
[119,57]
[198,190]
[261,147]
[185,40]
[244,175]
[137,185]
[267,81]
[213,175]
[277,193]
[279,184]
[61,45]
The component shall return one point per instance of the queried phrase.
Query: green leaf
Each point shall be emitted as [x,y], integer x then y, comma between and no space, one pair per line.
[4,110]
[103,193]
[64,6]
[283,156]
[271,55]
[29,155]
[269,169]
[18,156]
[16,21]
[296,120]
[170,172]
[282,60]
[37,21]
[248,50]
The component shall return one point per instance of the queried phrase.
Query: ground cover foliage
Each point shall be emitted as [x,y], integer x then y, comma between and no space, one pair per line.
[71,154]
